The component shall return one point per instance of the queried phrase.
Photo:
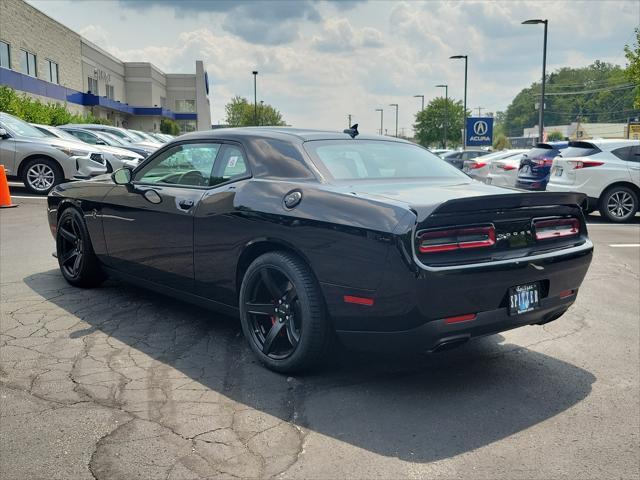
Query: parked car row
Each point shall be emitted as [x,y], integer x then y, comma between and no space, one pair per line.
[606,170]
[42,156]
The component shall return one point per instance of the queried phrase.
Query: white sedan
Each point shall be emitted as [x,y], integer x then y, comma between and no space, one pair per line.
[479,167]
[607,171]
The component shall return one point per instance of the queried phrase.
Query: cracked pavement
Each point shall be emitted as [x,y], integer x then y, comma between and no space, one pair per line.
[120,383]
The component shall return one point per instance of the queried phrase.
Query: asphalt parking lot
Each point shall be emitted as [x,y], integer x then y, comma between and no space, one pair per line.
[118,382]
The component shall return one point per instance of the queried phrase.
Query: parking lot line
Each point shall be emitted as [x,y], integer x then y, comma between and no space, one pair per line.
[624,245]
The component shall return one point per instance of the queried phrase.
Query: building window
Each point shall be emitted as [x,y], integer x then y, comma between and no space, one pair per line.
[187,126]
[186,106]
[92,85]
[5,55]
[110,92]
[52,71]
[28,63]
[163,102]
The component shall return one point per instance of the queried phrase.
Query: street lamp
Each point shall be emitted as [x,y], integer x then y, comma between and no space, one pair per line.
[261,112]
[464,124]
[544,68]
[381,118]
[422,97]
[348,120]
[255,98]
[446,113]
[395,105]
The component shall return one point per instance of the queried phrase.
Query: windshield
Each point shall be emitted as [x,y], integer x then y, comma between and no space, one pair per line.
[20,128]
[109,139]
[62,134]
[579,149]
[375,159]
[542,152]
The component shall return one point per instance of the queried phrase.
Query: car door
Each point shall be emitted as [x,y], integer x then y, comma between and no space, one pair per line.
[8,154]
[148,224]
[220,232]
[633,164]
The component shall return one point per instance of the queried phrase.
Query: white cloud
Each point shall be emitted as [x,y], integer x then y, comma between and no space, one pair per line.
[338,35]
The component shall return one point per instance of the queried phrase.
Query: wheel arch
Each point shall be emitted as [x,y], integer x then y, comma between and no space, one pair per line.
[35,156]
[622,183]
[260,246]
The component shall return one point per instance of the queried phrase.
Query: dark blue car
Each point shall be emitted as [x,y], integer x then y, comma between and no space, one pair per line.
[535,166]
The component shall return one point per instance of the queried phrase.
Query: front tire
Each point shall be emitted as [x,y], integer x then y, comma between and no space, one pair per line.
[618,204]
[78,263]
[40,175]
[282,313]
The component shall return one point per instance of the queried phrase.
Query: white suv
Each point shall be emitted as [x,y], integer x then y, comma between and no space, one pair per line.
[607,171]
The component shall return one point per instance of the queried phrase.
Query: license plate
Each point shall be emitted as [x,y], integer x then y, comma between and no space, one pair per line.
[558,172]
[524,298]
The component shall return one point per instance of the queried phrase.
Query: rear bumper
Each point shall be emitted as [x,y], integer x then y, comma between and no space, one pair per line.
[438,334]
[409,303]
[534,184]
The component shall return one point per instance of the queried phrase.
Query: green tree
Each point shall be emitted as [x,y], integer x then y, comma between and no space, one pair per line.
[169,126]
[430,122]
[555,136]
[596,93]
[241,113]
[501,142]
[632,72]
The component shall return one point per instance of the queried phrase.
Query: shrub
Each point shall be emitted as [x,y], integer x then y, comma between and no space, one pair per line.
[34,111]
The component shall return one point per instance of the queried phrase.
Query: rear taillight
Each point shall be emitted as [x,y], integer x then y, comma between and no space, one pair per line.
[506,166]
[543,162]
[476,165]
[456,239]
[556,228]
[578,164]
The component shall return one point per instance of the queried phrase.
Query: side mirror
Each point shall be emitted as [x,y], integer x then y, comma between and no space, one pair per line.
[121,176]
[3,133]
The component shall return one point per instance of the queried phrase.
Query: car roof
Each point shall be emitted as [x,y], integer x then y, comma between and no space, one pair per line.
[607,142]
[297,135]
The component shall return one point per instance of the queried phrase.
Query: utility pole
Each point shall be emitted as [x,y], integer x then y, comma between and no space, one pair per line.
[349,120]
[479,111]
[395,105]
[464,121]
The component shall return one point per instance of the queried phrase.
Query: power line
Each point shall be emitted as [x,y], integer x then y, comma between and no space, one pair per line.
[585,92]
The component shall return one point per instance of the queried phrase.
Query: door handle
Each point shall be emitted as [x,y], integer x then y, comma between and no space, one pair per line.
[185,204]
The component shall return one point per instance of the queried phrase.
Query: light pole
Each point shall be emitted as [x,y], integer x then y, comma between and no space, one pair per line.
[381,118]
[446,113]
[422,97]
[395,105]
[255,98]
[261,112]
[464,122]
[348,120]
[544,74]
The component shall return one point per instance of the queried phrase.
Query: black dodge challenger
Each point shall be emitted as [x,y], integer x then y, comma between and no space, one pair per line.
[307,234]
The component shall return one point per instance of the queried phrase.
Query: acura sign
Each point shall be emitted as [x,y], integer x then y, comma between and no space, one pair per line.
[479,131]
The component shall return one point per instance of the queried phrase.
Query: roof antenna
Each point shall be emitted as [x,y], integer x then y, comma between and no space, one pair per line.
[353,131]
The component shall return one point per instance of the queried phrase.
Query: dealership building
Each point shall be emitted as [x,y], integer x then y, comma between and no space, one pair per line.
[43,59]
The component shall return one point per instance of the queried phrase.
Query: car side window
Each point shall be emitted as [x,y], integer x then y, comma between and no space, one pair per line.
[188,164]
[628,154]
[85,137]
[231,164]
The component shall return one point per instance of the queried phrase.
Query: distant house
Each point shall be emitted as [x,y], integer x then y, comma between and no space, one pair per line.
[581,131]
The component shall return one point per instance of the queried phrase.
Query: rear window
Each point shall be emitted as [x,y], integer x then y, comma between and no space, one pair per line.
[542,152]
[375,159]
[579,149]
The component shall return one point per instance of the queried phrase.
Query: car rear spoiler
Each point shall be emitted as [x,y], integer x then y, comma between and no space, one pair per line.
[510,200]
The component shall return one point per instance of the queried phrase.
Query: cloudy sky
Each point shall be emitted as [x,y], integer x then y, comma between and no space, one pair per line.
[320,61]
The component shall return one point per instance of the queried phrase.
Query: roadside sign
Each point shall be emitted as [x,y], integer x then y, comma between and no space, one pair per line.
[634,130]
[479,131]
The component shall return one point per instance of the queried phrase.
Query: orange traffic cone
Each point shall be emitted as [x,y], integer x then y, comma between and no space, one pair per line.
[5,196]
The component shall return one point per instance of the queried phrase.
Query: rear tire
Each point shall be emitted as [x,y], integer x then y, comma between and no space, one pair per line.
[40,175]
[282,313]
[618,204]
[78,263]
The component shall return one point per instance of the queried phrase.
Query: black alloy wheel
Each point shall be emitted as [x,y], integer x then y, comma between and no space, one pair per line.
[273,309]
[78,263]
[282,313]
